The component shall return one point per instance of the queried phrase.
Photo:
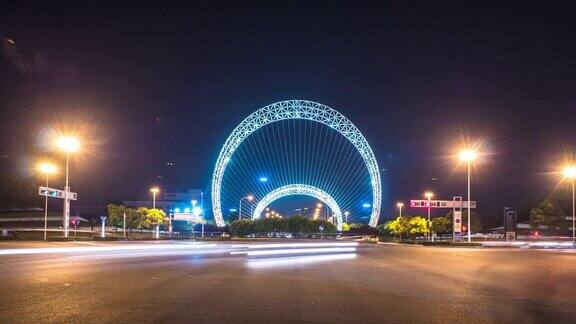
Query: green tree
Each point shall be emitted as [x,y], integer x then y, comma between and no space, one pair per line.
[299,224]
[417,226]
[440,225]
[155,217]
[549,213]
[242,227]
[398,226]
[135,218]
[329,228]
[383,230]
[116,214]
[345,227]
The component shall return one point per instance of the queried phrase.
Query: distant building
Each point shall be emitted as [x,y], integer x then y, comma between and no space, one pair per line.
[170,201]
[33,219]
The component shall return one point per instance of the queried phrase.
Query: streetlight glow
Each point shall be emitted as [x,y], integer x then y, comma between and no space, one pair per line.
[569,172]
[47,168]
[468,155]
[154,190]
[68,144]
[428,195]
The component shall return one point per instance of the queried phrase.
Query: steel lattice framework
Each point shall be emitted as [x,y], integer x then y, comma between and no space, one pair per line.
[295,190]
[296,109]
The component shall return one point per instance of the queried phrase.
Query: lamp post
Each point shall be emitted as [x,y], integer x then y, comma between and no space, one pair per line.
[154,191]
[468,156]
[47,169]
[68,145]
[570,173]
[428,195]
[249,198]
[400,205]
[346,213]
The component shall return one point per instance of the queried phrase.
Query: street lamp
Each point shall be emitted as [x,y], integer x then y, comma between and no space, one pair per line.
[400,205]
[468,156]
[154,191]
[249,198]
[46,169]
[346,213]
[569,172]
[68,145]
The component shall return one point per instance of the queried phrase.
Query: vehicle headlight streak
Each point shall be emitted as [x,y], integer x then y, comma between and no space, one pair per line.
[109,248]
[299,260]
[298,251]
[296,109]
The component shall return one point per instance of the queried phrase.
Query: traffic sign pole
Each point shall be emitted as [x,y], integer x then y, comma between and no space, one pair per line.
[66,216]
[46,211]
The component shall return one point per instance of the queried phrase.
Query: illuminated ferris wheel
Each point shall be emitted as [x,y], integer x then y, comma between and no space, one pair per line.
[298,147]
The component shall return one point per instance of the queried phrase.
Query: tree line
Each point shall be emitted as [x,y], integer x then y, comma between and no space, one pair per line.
[294,225]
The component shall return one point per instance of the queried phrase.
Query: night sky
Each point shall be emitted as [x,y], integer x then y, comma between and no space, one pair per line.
[148,83]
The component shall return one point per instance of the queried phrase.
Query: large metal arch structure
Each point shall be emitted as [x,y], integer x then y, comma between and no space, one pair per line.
[296,109]
[303,190]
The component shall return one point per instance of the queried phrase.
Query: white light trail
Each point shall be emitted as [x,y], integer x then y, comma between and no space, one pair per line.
[295,245]
[298,251]
[292,261]
[114,248]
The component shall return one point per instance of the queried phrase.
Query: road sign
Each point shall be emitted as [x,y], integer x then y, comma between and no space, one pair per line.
[425,203]
[457,225]
[56,193]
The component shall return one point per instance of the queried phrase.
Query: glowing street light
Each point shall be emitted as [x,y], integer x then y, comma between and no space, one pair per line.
[154,191]
[46,169]
[249,198]
[68,145]
[346,213]
[400,205]
[468,156]
[569,172]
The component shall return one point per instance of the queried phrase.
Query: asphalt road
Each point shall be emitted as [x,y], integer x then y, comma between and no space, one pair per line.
[189,282]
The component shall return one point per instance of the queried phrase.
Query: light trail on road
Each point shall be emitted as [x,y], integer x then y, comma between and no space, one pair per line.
[297,251]
[114,248]
[296,261]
